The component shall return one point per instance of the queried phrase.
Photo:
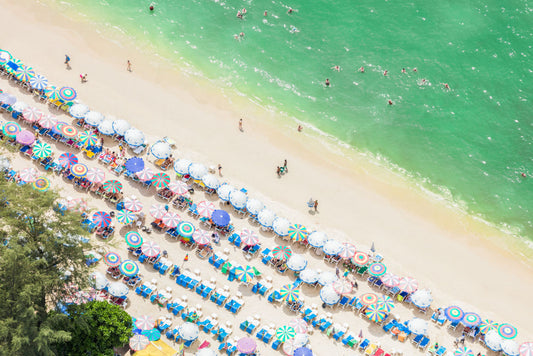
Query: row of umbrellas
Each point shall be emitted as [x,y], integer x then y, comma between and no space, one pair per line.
[470,319]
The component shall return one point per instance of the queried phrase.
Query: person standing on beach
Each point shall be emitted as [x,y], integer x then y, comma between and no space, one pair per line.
[278,171]
[129,66]
[220,169]
[285,169]
[240,126]
[315,205]
[67,61]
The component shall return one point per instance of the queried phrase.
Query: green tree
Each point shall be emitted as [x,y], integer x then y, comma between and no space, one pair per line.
[40,255]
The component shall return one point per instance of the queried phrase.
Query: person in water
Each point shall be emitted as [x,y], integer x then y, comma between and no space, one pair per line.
[151,7]
[337,68]
[289,11]
[362,69]
[239,14]
[327,82]
[266,13]
[385,72]
[403,70]
[390,102]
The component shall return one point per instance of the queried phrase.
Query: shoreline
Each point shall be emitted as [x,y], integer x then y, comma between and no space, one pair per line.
[377,189]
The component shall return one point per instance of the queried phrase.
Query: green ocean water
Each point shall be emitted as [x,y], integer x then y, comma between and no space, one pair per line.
[469,144]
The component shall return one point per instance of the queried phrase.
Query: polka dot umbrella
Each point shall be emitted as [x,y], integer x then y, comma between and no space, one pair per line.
[112,259]
[78,111]
[510,348]
[317,239]
[133,239]
[93,118]
[31,114]
[329,296]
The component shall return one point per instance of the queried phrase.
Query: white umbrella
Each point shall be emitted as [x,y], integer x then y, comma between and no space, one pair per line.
[309,275]
[181,166]
[197,170]
[317,239]
[134,137]
[238,199]
[210,181]
[121,126]
[422,298]
[297,262]
[206,352]
[300,340]
[418,326]
[98,280]
[188,331]
[161,150]
[224,191]
[93,118]
[510,348]
[266,217]
[78,111]
[327,277]
[332,247]
[19,106]
[105,127]
[329,296]
[178,187]
[281,226]
[118,289]
[254,206]
[493,340]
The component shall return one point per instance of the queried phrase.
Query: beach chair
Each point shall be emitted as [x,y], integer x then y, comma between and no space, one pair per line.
[260,334]
[453,325]
[325,326]
[424,343]
[441,351]
[379,352]
[370,349]
[250,328]
[276,344]
[416,340]
[363,345]
[338,335]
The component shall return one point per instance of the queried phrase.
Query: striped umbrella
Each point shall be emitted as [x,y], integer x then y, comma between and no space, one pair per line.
[11,129]
[145,322]
[160,180]
[158,211]
[471,319]
[342,286]
[282,252]
[454,313]
[299,325]
[171,219]
[298,232]
[185,229]
[375,313]
[488,325]
[526,349]
[145,174]
[289,293]
[360,259]
[112,186]
[205,208]
[87,138]
[39,82]
[133,239]
[95,175]
[408,284]
[66,160]
[79,170]
[201,237]
[52,93]
[67,94]
[249,238]
[69,131]
[285,333]
[47,121]
[463,351]
[41,184]
[139,342]
[244,274]
[24,73]
[390,280]
[129,268]
[386,303]
[133,204]
[369,298]
[125,217]
[31,114]
[12,65]
[377,269]
[507,331]
[112,259]
[28,175]
[348,250]
[101,219]
[150,249]
[152,334]
[179,188]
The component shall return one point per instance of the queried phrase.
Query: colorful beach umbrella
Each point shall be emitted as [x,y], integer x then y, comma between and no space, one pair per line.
[386,303]
[133,204]
[145,175]
[390,280]
[289,293]
[487,325]
[101,219]
[201,237]
[79,170]
[24,73]
[160,180]
[41,184]
[526,349]
[348,250]
[112,259]
[25,137]
[298,232]
[38,82]
[139,342]
[145,322]
[129,268]
[78,204]
[471,319]
[375,313]
[11,129]
[69,131]
[369,298]
[178,187]
[12,65]
[42,150]
[47,121]
[87,138]
[150,249]
[507,331]
[408,284]
[285,333]
[299,325]
[342,286]
[377,269]
[158,211]
[28,175]
[125,217]
[112,186]
[95,175]
[185,229]
[67,94]
[454,313]
[360,259]
[282,252]
[133,239]
[244,274]
[52,93]
[249,237]
[463,351]
[31,114]
[205,208]
[67,159]
[171,219]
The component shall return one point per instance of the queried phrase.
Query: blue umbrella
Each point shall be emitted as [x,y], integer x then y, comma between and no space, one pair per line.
[303,351]
[152,334]
[39,82]
[135,164]
[220,217]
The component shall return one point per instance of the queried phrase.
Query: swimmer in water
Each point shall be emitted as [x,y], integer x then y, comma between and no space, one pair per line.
[385,72]
[446,86]
[415,70]
[403,70]
[151,7]
[290,10]
[239,14]
[300,128]
[390,102]
[327,82]
[337,68]
[362,69]
[524,175]
[266,13]
[241,34]
[244,11]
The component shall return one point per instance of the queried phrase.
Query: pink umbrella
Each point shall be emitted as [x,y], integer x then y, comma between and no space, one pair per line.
[31,114]
[342,286]
[77,204]
[205,208]
[348,250]
[28,175]
[390,280]
[299,325]
[133,204]
[25,137]
[145,322]
[171,219]
[249,238]
[47,121]
[145,174]
[150,249]
[201,237]
[95,175]
[408,284]
[179,188]
[158,211]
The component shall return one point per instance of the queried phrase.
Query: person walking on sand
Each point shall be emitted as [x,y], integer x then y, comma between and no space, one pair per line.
[315,205]
[240,126]
[285,167]
[220,169]
[278,171]
[67,61]
[129,66]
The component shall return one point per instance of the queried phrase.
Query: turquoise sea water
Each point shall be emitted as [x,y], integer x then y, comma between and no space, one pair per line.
[470,143]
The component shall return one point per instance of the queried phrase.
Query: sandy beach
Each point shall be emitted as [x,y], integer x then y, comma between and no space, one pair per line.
[462,261]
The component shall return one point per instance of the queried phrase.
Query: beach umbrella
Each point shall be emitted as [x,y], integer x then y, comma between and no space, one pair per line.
[112,259]
[150,249]
[290,346]
[87,138]
[105,127]
[254,206]
[210,181]
[95,175]
[246,345]
[526,349]
[422,298]
[220,218]
[133,204]
[78,111]
[129,268]
[205,208]
[197,170]
[52,93]
[390,280]
[297,232]
[47,121]
[98,280]
[146,174]
[19,106]
[160,180]
[185,229]
[201,237]
[158,211]
[161,150]
[69,131]
[417,326]
[487,325]
[25,137]
[309,275]
[41,184]
[510,348]
[299,325]
[171,219]
[93,118]
[360,259]
[266,217]
[125,217]
[28,175]
[342,286]
[120,127]
[408,284]
[134,137]
[78,170]
[133,239]
[139,342]
[67,94]
[178,187]
[77,204]
[454,313]
[11,129]
[386,303]
[118,289]
[471,319]
[375,313]
[66,160]
[188,331]
[38,82]
[317,239]
[493,340]
[348,250]
[224,191]
[507,331]
[58,126]
[42,150]
[5,56]
[181,166]
[31,114]
[24,73]
[296,262]
[152,334]
[327,277]
[289,293]
[134,164]
[244,274]
[332,247]
[249,237]
[238,199]
[463,351]
[12,65]
[145,322]
[302,351]
[112,186]
[7,99]
[369,298]
[209,352]
[282,252]
[101,219]
[377,269]
[285,333]
[328,295]
[281,226]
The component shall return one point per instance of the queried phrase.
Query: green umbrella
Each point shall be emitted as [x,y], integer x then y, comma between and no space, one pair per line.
[42,150]
[285,333]
[112,186]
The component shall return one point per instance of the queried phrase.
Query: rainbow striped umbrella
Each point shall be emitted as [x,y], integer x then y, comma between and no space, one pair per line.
[139,342]
[67,94]
[11,70]
[386,303]
[150,249]
[145,174]
[145,322]
[369,298]
[463,351]
[79,170]
[282,252]
[158,211]
[179,188]
[112,259]
[125,217]
[52,93]
[348,250]
[171,219]
[244,274]
[41,184]
[101,219]
[185,229]
[24,73]
[290,293]
[408,284]
[249,238]
[526,349]
[160,180]
[375,313]
[205,208]
[28,175]
[201,237]
[69,131]
[31,114]
[133,239]
[42,150]
[11,129]
[67,159]
[454,313]
[507,331]
[299,325]
[129,268]
[285,333]
[47,121]
[471,319]
[390,280]
[112,186]
[488,325]
[342,286]
[87,138]
[377,269]
[360,259]
[298,232]
[39,82]
[95,175]
[133,204]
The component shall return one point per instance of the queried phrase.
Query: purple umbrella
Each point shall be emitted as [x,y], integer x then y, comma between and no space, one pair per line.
[135,164]
[246,345]
[25,137]
[303,351]
[220,217]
